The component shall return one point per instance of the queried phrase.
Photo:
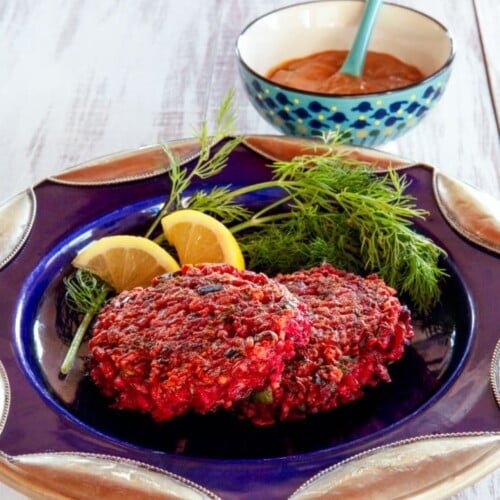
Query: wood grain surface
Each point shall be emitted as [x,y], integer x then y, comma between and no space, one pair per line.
[84,78]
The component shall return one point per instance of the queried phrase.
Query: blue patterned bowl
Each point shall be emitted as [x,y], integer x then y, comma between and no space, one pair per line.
[365,120]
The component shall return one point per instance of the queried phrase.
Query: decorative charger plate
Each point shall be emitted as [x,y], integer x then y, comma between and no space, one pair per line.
[433,430]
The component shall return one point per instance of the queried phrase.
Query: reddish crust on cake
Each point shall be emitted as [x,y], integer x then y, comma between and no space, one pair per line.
[358,328]
[199,339]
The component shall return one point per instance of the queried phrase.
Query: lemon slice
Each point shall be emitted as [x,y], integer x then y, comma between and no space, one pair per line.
[125,262]
[200,239]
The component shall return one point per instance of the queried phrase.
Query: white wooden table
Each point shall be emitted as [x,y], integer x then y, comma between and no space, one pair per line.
[84,78]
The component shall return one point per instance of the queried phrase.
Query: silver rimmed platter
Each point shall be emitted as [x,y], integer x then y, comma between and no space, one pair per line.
[439,416]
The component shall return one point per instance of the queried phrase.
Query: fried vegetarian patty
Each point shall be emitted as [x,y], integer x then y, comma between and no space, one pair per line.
[201,339]
[358,328]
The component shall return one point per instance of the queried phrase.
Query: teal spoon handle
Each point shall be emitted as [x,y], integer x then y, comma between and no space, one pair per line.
[355,61]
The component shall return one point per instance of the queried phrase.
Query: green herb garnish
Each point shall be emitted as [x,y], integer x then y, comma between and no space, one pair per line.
[329,208]
[264,396]
[207,165]
[85,294]
[323,207]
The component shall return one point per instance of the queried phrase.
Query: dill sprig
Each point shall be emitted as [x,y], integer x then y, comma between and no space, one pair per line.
[328,208]
[320,207]
[85,294]
[208,164]
[220,204]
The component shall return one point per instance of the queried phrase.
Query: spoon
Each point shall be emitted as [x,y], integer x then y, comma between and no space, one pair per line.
[355,61]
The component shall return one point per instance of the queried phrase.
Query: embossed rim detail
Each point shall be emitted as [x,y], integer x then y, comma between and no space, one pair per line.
[25,481]
[29,225]
[450,212]
[107,159]
[5,396]
[257,143]
[301,492]
[495,373]
[123,155]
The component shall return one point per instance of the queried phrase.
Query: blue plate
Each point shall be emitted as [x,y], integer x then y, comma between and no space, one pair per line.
[447,364]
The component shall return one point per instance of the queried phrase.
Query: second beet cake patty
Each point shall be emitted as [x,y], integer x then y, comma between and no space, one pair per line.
[358,328]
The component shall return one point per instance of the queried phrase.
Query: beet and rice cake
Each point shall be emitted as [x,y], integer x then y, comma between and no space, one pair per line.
[202,339]
[358,328]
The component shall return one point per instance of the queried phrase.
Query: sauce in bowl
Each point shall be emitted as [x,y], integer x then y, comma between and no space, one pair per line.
[319,72]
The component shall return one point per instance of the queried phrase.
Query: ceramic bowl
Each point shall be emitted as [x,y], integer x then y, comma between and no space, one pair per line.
[367,120]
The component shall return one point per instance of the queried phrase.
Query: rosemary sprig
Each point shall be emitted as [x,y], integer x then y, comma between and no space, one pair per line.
[86,294]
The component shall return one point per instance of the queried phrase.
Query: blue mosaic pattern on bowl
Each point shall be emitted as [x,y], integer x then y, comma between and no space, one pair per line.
[365,120]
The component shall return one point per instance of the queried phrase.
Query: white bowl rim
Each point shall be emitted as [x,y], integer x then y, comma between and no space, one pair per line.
[434,74]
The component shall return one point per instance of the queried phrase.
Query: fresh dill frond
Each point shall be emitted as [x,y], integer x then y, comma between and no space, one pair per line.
[324,207]
[226,115]
[86,294]
[218,203]
[346,214]
[300,242]
[209,162]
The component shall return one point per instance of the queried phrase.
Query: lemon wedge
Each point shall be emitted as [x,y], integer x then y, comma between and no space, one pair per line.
[125,262]
[200,239]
